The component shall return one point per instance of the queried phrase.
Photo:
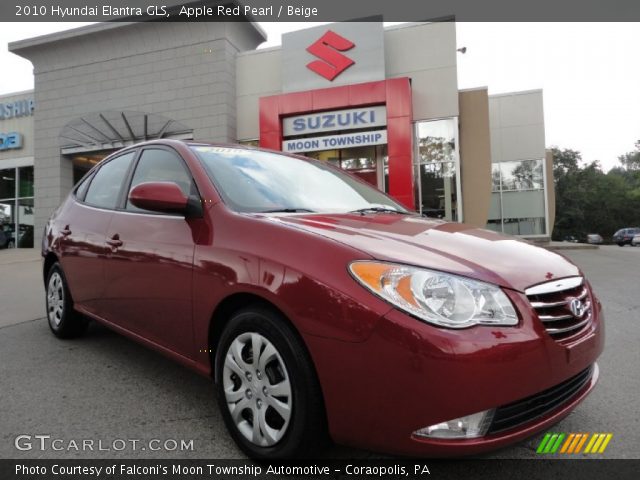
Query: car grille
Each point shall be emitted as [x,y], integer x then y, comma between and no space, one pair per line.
[563,306]
[535,406]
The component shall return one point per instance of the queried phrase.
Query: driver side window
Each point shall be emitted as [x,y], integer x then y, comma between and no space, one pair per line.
[159,165]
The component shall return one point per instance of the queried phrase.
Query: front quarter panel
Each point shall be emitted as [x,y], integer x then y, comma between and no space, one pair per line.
[304,275]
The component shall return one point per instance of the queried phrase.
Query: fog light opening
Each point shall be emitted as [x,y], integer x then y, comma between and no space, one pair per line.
[469,426]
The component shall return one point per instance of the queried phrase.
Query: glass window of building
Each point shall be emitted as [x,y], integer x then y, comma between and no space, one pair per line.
[518,198]
[16,207]
[436,169]
[370,163]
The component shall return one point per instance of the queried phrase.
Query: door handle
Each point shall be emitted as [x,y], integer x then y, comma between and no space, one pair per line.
[114,241]
[65,232]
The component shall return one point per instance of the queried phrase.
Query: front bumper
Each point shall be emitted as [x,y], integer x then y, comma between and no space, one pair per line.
[409,375]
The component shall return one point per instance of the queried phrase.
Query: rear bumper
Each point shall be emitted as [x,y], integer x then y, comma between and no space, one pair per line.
[409,375]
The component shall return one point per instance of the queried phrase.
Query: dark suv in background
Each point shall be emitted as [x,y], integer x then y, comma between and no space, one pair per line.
[624,236]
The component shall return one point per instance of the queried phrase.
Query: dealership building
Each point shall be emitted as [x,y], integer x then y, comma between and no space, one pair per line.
[380,102]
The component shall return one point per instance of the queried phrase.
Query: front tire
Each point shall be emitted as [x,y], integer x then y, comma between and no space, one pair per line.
[63,320]
[267,388]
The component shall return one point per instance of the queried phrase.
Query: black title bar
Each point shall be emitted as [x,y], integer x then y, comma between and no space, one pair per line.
[213,469]
[317,10]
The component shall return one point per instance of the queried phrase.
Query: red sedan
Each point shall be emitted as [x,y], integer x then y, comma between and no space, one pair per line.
[319,305]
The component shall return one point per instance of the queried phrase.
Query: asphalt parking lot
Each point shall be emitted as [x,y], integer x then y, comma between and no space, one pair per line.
[105,387]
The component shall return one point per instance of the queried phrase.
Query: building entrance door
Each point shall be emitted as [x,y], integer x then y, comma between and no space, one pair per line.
[369,163]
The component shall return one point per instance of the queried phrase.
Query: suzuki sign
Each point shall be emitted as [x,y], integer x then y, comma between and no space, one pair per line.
[327,48]
[351,119]
[330,55]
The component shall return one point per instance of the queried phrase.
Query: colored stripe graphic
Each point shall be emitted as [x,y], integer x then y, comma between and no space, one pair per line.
[567,442]
[607,439]
[572,443]
[543,443]
[555,447]
[598,443]
[582,440]
[579,437]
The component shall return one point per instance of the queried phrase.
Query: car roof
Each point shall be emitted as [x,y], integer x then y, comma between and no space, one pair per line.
[192,143]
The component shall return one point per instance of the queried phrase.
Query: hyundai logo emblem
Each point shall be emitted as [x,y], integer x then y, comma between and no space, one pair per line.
[576,307]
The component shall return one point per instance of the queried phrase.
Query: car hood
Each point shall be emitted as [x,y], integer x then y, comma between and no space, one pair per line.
[451,247]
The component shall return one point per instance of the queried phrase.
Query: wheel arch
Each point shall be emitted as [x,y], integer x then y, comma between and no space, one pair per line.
[236,301]
[231,304]
[49,260]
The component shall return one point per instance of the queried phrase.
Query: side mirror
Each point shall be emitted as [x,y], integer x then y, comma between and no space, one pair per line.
[164,197]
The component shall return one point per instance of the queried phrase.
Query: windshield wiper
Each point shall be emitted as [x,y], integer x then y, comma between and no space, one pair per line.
[287,210]
[362,211]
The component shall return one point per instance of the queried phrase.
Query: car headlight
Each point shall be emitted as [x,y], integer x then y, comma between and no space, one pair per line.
[439,298]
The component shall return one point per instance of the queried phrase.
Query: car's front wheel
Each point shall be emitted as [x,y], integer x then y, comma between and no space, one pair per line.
[64,321]
[267,388]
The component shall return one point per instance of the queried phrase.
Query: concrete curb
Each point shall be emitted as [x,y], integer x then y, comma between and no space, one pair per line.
[569,246]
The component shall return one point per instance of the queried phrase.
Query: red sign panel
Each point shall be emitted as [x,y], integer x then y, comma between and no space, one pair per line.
[327,48]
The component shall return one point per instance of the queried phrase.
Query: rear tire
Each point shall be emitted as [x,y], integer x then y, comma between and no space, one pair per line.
[277,387]
[63,320]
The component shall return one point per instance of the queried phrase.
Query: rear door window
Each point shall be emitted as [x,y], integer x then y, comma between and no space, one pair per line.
[106,185]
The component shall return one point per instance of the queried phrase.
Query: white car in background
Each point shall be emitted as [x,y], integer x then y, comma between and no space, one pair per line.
[594,239]
[635,241]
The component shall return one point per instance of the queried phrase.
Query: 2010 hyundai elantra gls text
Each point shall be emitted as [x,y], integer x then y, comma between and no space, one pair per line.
[321,307]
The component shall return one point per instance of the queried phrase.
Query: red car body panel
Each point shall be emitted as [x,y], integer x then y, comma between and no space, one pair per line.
[383,373]
[451,247]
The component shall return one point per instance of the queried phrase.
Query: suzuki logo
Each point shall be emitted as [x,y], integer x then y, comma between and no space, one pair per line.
[576,307]
[327,48]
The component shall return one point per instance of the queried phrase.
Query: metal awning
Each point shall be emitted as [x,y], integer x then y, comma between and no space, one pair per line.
[110,130]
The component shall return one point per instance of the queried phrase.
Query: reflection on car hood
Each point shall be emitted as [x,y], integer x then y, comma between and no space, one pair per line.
[451,247]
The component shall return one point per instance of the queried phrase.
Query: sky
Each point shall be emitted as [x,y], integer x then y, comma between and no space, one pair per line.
[589,72]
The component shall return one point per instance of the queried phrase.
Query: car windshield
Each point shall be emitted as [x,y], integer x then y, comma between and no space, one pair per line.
[256,181]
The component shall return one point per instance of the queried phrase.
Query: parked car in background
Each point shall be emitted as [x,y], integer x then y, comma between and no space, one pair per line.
[4,240]
[7,239]
[570,238]
[320,305]
[594,238]
[635,241]
[25,236]
[624,236]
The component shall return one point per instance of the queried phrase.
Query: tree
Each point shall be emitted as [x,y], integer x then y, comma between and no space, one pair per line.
[565,161]
[631,160]
[591,201]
